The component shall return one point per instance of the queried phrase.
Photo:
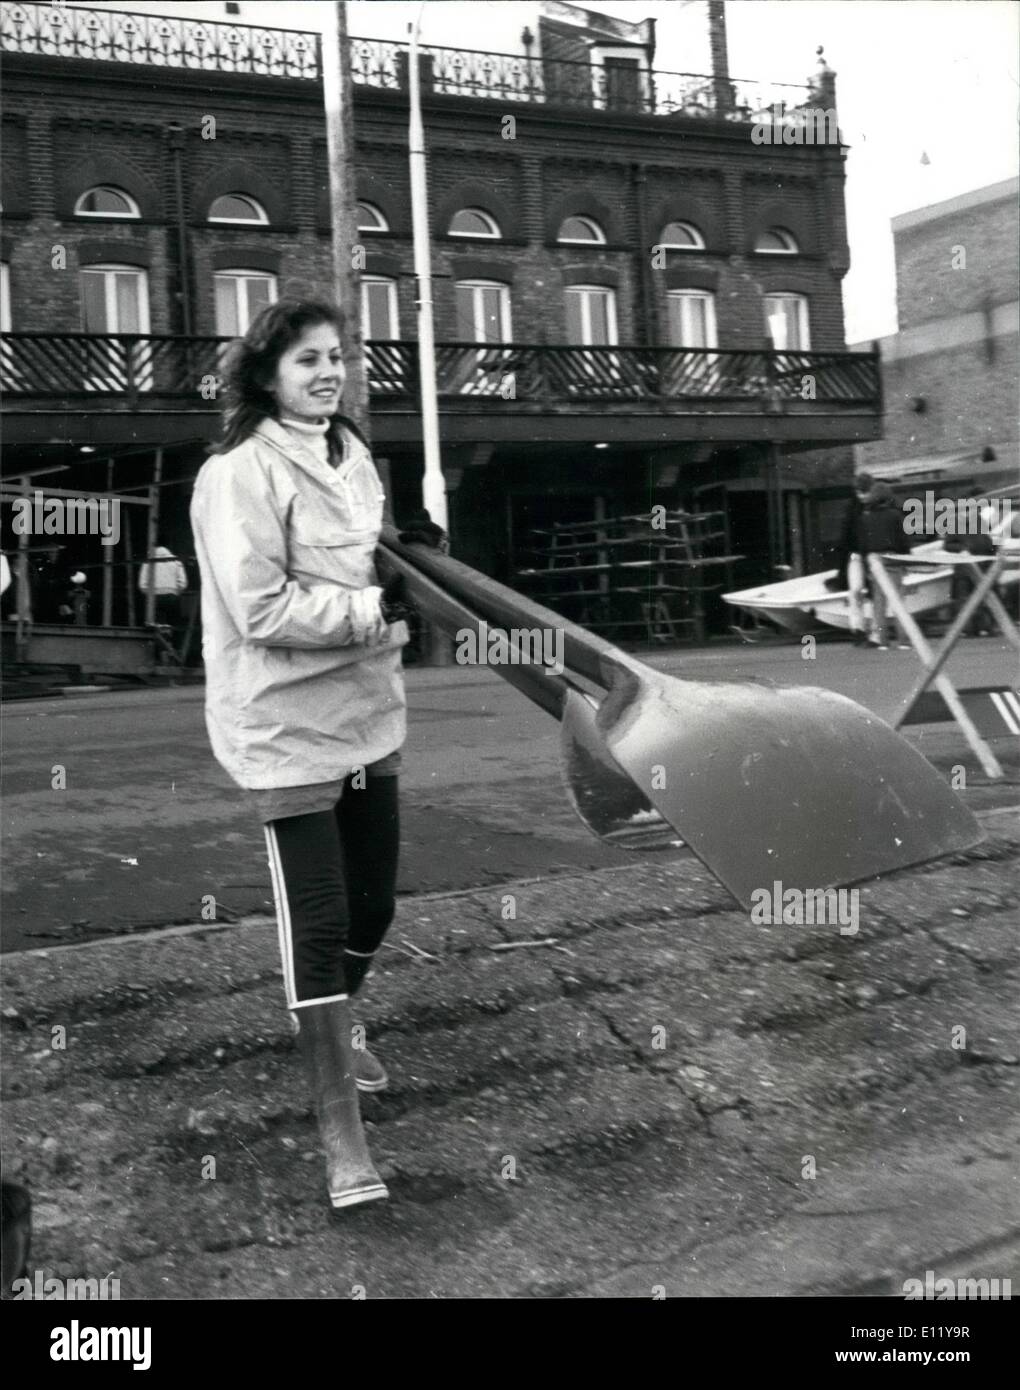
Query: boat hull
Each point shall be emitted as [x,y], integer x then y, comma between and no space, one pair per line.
[804,604]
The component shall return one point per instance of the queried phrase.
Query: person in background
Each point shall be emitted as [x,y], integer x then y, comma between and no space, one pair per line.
[982,623]
[48,582]
[75,608]
[879,531]
[850,572]
[166,578]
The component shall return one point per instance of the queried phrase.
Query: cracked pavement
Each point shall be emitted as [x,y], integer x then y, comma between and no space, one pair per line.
[604,1078]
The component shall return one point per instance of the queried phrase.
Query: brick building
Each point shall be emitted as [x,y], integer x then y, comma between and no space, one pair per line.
[950,374]
[637,299]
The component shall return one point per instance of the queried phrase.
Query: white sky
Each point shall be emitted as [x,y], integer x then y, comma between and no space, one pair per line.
[913,78]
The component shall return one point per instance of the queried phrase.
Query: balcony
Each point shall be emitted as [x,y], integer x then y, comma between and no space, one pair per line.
[505,390]
[175,42]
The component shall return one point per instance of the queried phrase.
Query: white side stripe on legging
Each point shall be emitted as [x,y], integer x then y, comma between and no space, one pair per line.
[326,999]
[282,916]
[283,927]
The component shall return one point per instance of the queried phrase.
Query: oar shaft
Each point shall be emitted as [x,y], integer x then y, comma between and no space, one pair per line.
[584,652]
[454,617]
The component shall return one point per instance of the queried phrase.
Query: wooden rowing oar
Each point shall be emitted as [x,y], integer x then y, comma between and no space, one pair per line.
[763,782]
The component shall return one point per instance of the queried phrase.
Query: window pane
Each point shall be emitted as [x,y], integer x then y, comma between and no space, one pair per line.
[370,219]
[227,325]
[690,320]
[5,298]
[235,208]
[775,317]
[623,83]
[776,239]
[467,222]
[465,313]
[106,200]
[259,295]
[598,305]
[801,329]
[678,234]
[575,329]
[675,310]
[127,301]
[578,229]
[376,308]
[491,327]
[786,316]
[93,299]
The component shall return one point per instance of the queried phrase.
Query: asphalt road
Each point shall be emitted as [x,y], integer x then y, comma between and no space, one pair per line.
[146,825]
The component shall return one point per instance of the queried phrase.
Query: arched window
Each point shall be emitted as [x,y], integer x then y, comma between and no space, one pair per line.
[474,222]
[681,236]
[786,316]
[483,311]
[777,241]
[237,207]
[583,230]
[104,201]
[240,295]
[370,219]
[379,307]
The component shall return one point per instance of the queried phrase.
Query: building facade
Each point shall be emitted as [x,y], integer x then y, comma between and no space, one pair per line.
[951,373]
[637,272]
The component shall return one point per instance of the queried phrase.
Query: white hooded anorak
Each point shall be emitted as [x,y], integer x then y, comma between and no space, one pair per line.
[285,545]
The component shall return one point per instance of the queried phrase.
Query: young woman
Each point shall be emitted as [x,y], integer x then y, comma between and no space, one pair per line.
[304,692]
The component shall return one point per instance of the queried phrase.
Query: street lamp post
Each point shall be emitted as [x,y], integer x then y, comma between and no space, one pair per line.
[433,485]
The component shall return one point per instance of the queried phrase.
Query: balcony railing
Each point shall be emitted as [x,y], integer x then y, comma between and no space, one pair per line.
[560,82]
[111,36]
[127,370]
[177,42]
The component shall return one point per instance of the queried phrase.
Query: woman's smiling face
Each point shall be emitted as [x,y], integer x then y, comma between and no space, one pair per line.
[310,375]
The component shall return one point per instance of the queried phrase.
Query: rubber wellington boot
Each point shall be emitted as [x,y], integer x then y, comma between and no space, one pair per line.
[369,1072]
[324,1037]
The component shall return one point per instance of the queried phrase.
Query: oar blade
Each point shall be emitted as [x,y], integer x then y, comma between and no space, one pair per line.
[605,797]
[793,784]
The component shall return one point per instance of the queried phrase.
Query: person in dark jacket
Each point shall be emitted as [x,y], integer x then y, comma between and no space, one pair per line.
[850,575]
[879,531]
[849,542]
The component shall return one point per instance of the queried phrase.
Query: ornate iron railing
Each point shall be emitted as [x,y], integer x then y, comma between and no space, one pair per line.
[177,42]
[556,82]
[128,368]
[113,36]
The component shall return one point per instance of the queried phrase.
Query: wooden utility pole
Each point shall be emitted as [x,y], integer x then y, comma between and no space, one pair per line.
[338,92]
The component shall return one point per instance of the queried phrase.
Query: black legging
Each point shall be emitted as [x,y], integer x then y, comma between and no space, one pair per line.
[334,880]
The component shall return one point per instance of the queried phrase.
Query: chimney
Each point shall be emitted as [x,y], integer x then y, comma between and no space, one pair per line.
[722,87]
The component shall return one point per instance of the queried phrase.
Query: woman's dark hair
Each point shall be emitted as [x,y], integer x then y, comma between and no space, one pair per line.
[251,363]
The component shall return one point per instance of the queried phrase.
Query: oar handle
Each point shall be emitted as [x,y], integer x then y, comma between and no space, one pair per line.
[454,617]
[584,652]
